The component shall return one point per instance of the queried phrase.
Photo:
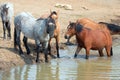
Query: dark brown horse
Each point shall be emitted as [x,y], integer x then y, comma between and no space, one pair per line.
[90,39]
[56,32]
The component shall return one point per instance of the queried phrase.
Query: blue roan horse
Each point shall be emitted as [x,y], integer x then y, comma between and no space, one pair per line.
[6,13]
[40,30]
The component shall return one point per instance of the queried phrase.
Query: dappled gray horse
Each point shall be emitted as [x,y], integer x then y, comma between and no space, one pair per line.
[6,12]
[40,30]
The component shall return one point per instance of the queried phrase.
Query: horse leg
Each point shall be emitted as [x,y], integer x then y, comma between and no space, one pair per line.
[77,51]
[57,46]
[18,42]
[15,41]
[68,41]
[38,50]
[49,47]
[101,52]
[26,46]
[111,52]
[45,47]
[108,50]
[8,29]
[4,30]
[87,53]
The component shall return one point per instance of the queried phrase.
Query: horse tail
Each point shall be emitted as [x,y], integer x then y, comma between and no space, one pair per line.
[112,27]
[111,52]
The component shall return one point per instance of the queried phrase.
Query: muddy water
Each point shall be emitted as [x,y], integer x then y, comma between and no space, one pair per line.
[68,68]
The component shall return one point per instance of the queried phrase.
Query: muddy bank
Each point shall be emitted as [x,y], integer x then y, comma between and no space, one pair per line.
[12,57]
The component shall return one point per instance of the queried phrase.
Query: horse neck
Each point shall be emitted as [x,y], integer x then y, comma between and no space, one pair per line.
[82,34]
[57,25]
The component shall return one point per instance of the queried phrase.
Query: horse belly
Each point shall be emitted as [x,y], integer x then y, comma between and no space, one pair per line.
[98,45]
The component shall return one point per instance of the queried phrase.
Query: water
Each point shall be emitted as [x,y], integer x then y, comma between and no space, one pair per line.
[68,68]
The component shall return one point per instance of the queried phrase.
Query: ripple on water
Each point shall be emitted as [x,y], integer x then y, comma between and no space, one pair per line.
[68,68]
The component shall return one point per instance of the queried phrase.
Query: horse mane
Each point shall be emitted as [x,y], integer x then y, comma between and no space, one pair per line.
[71,24]
[53,12]
[79,28]
[40,19]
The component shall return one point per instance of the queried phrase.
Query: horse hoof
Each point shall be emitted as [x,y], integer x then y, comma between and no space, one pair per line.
[4,38]
[58,56]
[101,55]
[21,53]
[86,57]
[9,38]
[75,56]
[28,53]
[53,56]
[37,61]
[46,61]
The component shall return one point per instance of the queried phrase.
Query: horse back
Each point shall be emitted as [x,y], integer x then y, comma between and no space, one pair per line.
[90,24]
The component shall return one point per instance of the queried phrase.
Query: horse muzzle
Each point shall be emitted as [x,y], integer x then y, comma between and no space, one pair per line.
[66,36]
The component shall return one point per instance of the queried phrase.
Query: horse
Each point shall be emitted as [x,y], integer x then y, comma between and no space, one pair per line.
[56,32]
[89,24]
[6,12]
[87,38]
[40,30]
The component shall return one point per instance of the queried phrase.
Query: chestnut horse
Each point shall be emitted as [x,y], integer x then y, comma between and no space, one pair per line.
[56,31]
[87,38]
[87,23]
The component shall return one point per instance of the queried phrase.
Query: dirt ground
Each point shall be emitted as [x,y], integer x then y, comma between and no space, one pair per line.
[96,10]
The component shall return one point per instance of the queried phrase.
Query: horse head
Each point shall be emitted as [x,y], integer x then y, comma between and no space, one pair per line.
[70,30]
[51,26]
[54,15]
[5,9]
[51,22]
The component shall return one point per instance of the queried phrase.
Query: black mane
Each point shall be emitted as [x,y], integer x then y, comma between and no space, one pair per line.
[79,28]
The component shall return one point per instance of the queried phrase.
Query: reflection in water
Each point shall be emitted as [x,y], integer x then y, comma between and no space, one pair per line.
[68,68]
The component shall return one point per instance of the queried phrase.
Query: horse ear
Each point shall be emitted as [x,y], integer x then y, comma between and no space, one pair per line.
[58,11]
[69,22]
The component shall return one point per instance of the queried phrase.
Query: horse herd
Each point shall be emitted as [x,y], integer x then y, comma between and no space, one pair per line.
[89,34]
